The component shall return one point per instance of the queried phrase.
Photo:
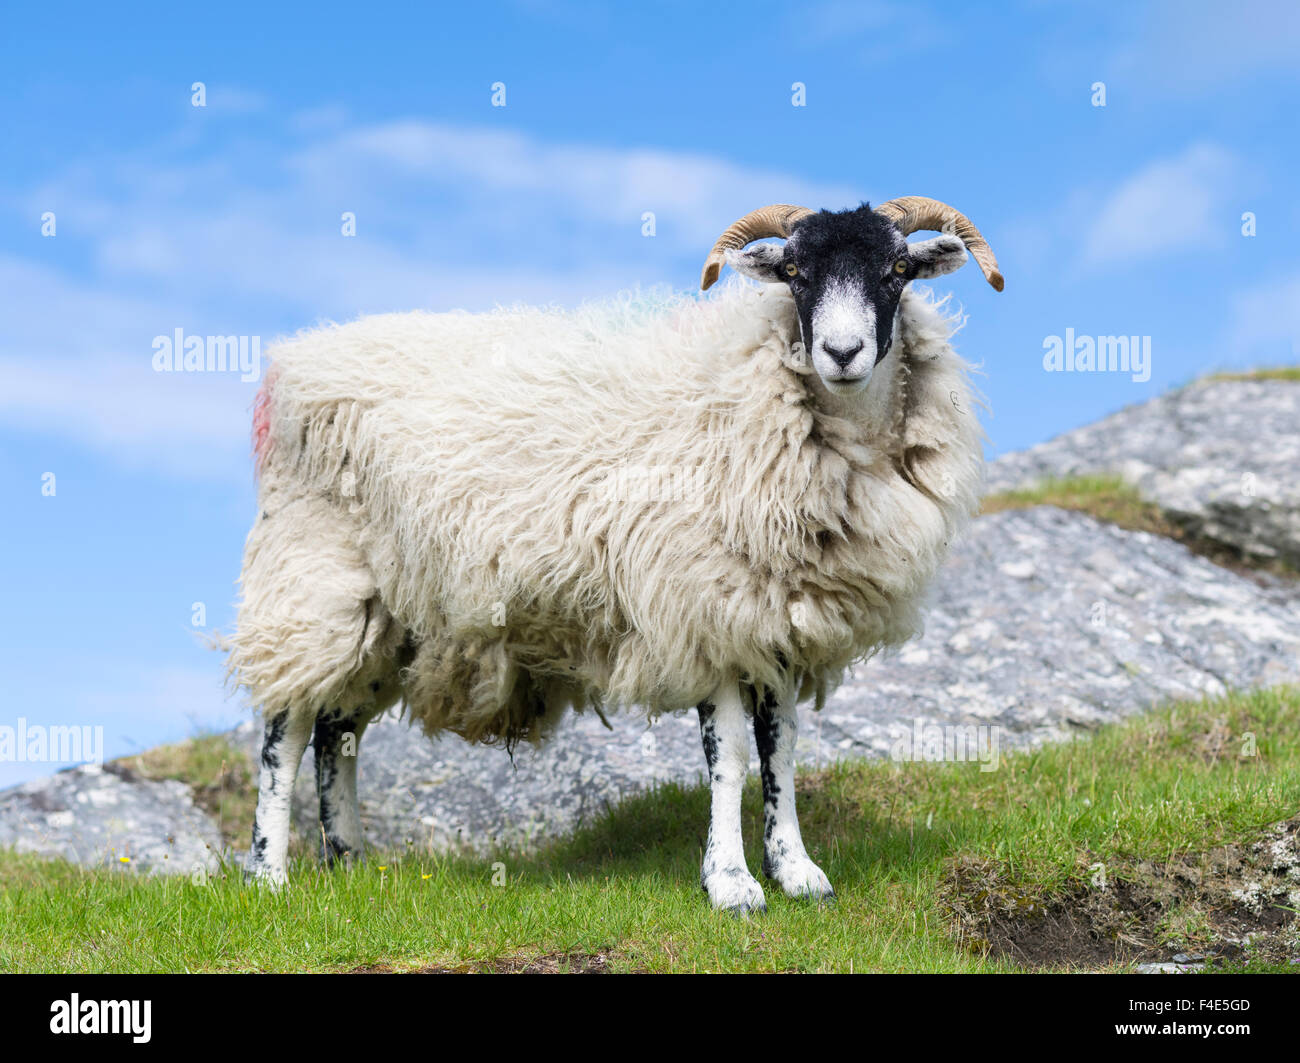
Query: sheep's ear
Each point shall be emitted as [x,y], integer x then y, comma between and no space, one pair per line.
[760,261]
[933,258]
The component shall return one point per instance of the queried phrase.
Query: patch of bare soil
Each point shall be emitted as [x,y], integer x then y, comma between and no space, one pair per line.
[1230,903]
[550,963]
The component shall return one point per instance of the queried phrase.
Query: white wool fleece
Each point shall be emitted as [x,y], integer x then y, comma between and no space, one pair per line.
[625,504]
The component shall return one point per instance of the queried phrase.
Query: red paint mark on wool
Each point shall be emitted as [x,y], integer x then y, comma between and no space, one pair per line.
[262,422]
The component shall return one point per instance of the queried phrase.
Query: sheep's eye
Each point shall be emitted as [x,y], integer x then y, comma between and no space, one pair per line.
[900,267]
[791,270]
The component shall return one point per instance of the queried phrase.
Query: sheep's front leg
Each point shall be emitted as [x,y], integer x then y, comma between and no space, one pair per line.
[336,743]
[283,744]
[724,876]
[776,727]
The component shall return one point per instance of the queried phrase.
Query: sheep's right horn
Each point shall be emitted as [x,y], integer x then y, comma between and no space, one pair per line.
[911,213]
[775,220]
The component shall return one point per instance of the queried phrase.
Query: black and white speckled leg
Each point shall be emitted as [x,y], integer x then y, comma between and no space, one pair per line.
[725,734]
[776,728]
[336,743]
[283,743]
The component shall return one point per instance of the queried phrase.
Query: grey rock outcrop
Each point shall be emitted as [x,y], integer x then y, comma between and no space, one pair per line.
[93,816]
[1220,457]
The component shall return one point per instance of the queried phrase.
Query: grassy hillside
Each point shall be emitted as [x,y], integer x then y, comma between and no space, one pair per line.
[1091,854]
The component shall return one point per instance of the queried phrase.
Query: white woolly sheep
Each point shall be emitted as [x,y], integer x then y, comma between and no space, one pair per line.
[455,512]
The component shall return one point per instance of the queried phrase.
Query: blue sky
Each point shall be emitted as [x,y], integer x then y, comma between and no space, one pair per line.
[226,219]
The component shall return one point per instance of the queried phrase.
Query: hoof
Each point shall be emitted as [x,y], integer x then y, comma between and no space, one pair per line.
[803,880]
[735,891]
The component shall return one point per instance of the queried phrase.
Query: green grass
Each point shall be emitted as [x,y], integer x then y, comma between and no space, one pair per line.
[892,837]
[1285,372]
[1107,498]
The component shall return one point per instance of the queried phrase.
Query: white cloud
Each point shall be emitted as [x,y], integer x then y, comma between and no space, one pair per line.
[1266,322]
[77,363]
[1168,205]
[694,195]
[446,216]
[190,424]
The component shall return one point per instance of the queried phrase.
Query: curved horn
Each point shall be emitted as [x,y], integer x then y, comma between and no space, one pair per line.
[775,220]
[911,213]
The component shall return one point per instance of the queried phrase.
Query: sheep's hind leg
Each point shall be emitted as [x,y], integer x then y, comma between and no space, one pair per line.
[283,744]
[336,743]
[724,875]
[776,727]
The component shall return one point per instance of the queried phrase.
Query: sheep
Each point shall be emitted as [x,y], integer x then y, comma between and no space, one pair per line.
[456,512]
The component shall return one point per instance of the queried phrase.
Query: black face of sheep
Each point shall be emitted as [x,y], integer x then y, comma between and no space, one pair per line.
[847,270]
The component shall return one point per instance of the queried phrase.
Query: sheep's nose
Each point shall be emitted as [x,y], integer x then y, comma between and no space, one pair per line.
[842,356]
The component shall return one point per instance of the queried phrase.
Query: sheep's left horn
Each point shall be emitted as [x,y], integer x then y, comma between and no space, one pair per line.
[913,213]
[775,220]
